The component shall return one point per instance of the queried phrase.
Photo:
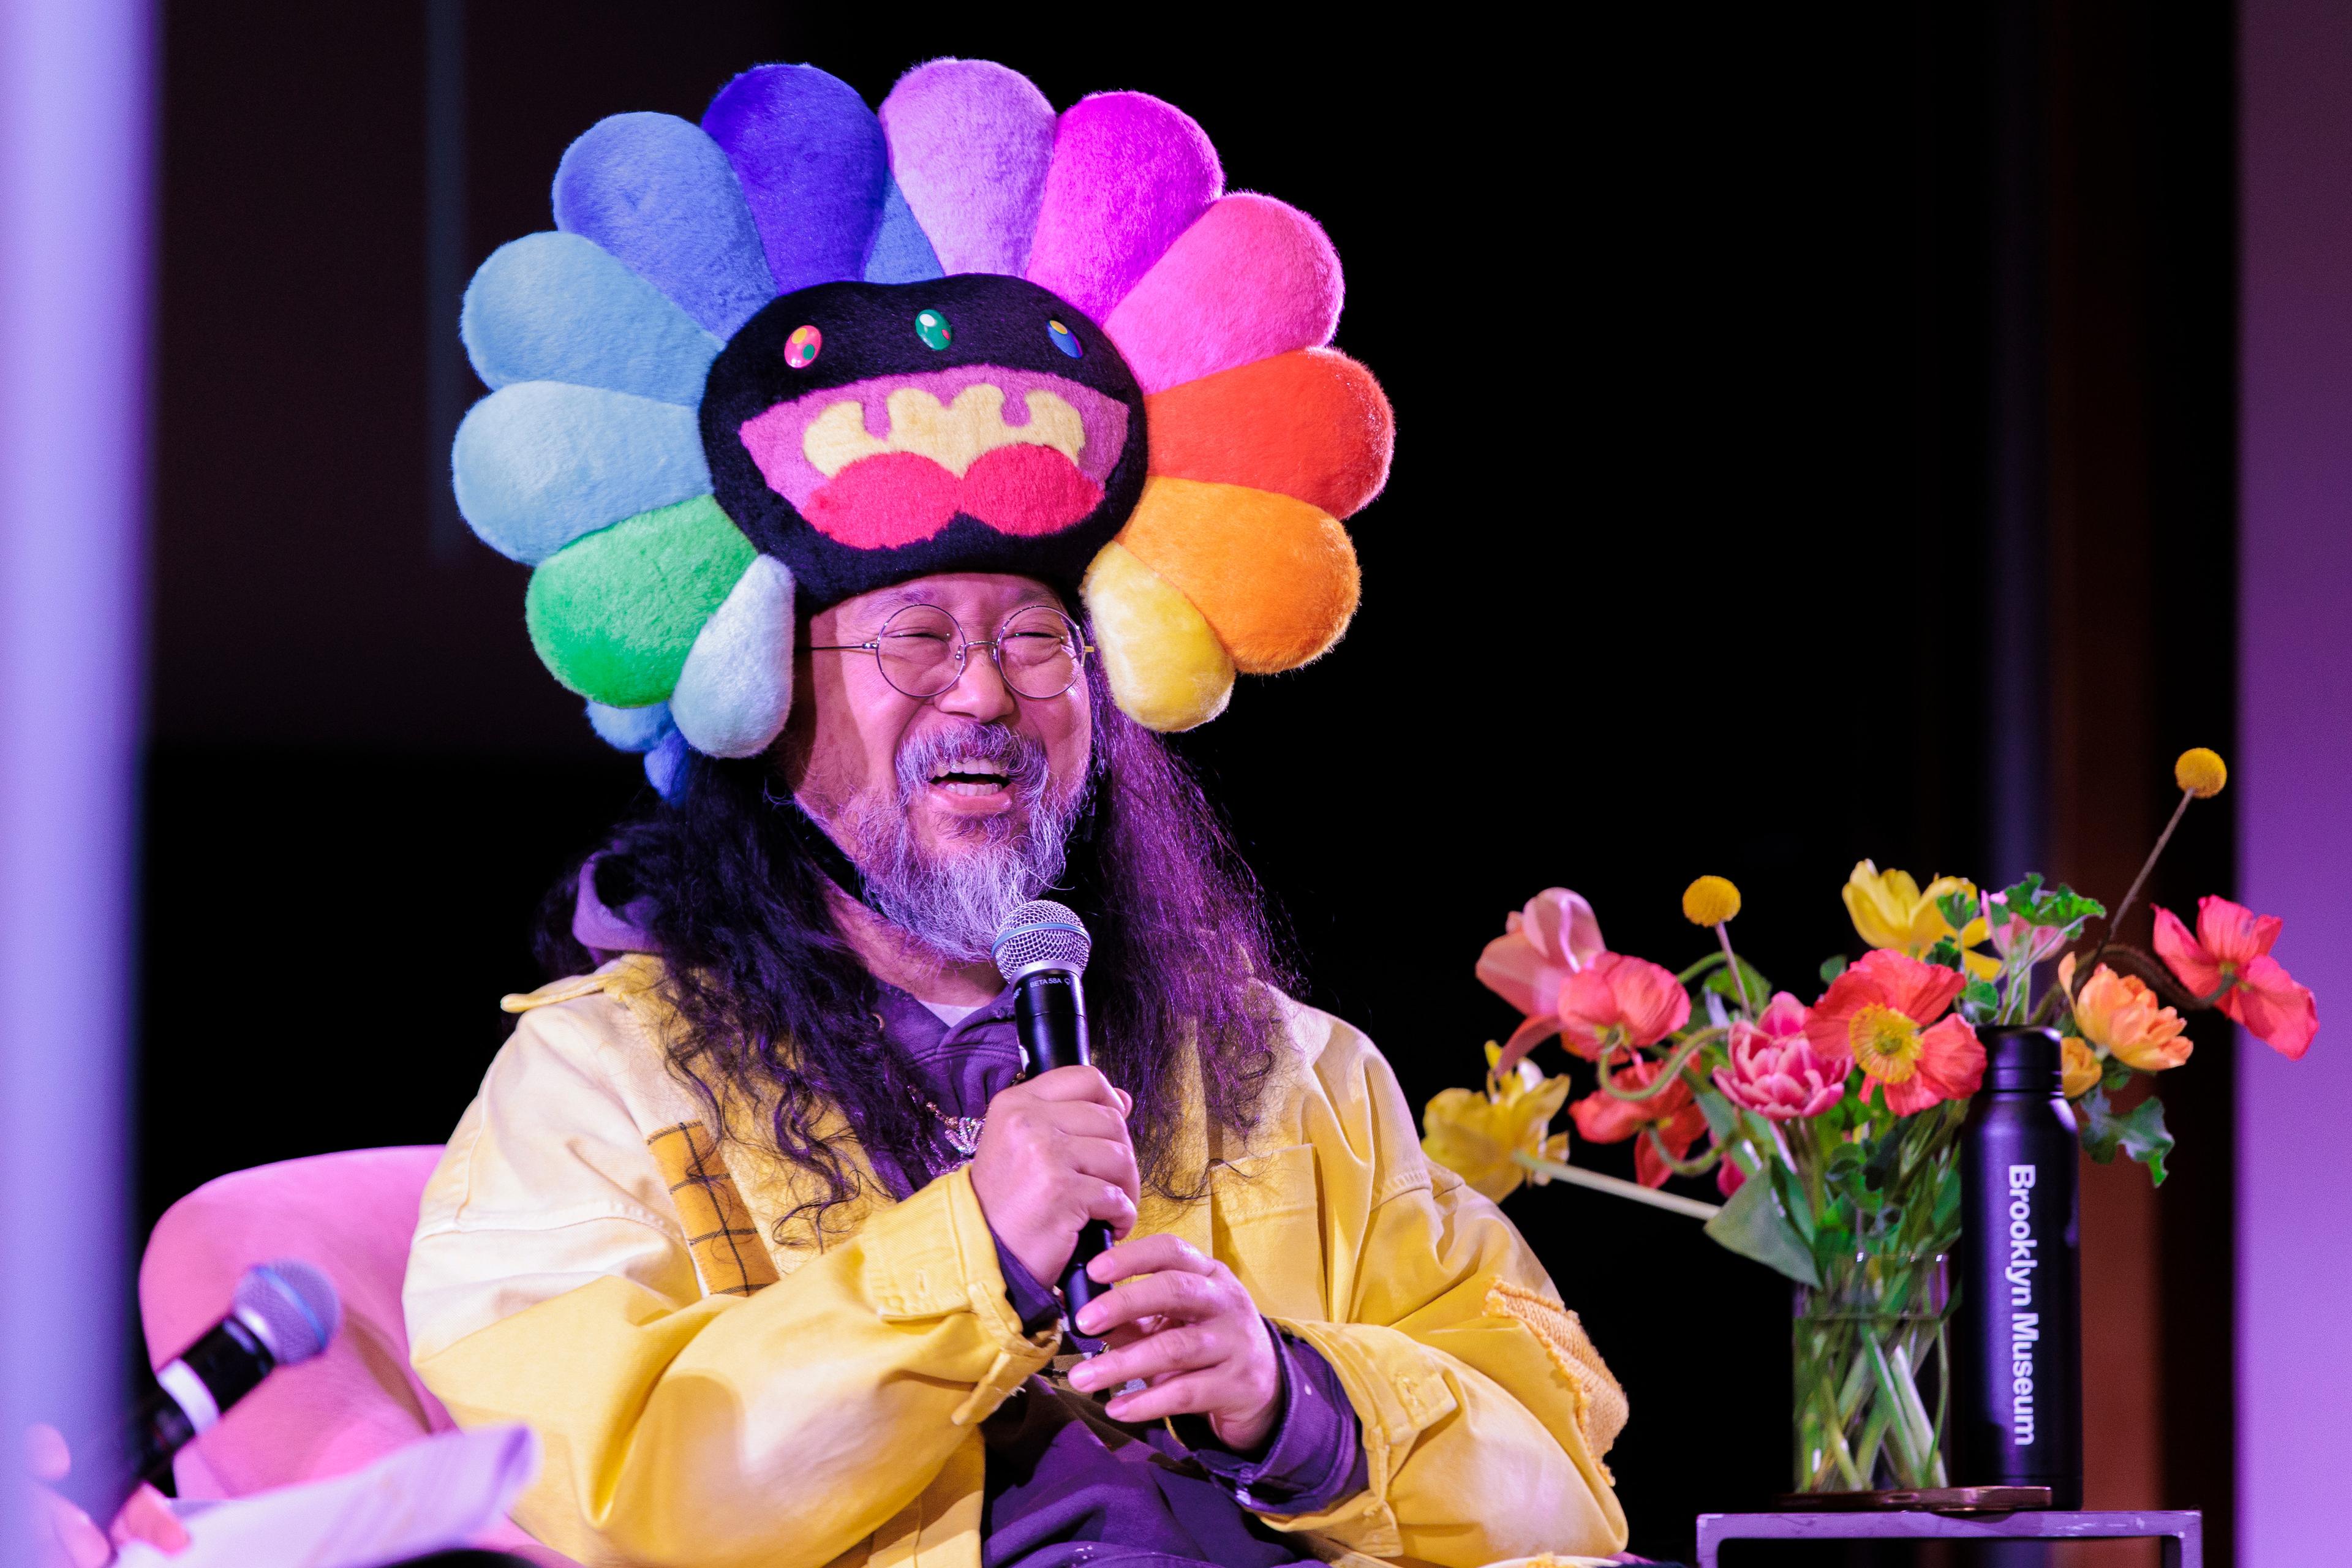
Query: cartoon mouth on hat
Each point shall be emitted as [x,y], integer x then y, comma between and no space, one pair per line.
[895,459]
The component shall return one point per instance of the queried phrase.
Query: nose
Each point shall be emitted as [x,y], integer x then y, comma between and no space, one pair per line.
[979,693]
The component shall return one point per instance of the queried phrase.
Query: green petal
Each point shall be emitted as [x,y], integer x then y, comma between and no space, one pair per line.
[614,614]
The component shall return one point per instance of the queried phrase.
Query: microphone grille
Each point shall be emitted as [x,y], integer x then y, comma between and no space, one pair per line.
[1040,931]
[292,1306]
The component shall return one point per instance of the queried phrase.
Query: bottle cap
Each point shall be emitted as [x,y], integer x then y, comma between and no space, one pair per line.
[2023,1061]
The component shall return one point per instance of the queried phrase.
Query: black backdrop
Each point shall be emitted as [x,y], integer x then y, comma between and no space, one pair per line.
[1678,570]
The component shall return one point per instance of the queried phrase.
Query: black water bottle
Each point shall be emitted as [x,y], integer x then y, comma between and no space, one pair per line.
[2018,1403]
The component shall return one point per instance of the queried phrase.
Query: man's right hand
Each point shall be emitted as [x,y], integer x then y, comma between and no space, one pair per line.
[63,1536]
[1053,1155]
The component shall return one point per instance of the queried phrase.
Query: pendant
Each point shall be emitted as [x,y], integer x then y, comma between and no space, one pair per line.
[963,1134]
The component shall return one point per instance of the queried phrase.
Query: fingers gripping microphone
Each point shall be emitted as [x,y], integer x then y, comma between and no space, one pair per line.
[283,1312]
[1041,950]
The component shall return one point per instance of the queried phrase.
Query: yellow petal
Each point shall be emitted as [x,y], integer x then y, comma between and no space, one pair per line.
[1983,965]
[1168,672]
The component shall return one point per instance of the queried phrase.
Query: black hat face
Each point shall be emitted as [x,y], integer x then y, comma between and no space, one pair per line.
[867,433]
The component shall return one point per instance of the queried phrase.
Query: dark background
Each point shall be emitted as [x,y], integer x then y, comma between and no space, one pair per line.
[1814,443]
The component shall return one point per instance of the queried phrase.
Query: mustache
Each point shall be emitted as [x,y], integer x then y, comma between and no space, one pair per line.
[1020,758]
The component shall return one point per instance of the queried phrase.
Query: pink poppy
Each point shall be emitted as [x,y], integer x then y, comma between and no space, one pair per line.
[2231,953]
[1616,1001]
[1774,1070]
[1884,1013]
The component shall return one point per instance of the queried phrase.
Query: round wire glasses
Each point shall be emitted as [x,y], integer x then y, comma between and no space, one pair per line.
[922,651]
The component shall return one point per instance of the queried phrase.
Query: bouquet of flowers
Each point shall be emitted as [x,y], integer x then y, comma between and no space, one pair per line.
[1832,1128]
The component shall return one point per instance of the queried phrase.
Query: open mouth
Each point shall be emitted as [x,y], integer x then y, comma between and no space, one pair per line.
[970,779]
[892,459]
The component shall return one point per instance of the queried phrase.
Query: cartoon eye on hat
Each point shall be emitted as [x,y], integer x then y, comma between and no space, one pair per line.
[804,350]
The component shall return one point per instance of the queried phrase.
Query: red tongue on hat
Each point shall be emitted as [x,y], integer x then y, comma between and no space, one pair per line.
[899,497]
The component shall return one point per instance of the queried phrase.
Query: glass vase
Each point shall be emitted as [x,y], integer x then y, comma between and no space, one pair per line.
[1870,1383]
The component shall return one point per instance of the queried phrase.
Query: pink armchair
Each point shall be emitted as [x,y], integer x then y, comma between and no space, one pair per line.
[350,1215]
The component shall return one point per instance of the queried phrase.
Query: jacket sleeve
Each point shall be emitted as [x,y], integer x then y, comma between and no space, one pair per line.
[551,1282]
[1486,1410]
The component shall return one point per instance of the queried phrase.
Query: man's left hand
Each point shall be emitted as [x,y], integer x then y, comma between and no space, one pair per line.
[1190,1332]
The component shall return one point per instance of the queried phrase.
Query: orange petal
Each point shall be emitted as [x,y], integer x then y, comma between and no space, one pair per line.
[1313,425]
[1274,578]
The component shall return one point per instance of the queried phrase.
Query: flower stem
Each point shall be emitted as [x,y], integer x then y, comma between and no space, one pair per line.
[2116,921]
[1738,981]
[1668,1073]
[1577,1175]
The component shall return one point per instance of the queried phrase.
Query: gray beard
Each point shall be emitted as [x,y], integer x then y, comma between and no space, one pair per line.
[953,902]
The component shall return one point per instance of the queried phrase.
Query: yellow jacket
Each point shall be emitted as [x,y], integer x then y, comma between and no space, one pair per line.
[713,1388]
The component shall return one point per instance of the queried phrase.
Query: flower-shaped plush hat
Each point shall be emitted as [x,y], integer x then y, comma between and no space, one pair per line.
[802,351]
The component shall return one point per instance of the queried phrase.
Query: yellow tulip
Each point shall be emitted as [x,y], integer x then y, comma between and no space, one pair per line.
[1474,1135]
[1891,910]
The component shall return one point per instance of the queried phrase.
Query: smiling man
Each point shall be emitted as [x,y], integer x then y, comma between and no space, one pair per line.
[755,1216]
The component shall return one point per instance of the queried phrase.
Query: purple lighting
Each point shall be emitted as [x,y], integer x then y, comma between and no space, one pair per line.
[2294,745]
[74,162]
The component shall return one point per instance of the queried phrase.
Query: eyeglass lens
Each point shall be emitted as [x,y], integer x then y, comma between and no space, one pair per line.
[921,649]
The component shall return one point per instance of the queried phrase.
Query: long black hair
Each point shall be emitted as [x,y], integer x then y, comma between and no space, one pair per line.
[776,1005]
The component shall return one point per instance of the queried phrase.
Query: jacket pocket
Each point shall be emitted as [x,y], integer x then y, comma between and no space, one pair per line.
[1265,1224]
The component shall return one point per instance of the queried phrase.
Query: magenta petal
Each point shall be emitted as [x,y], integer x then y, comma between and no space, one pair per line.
[1130,174]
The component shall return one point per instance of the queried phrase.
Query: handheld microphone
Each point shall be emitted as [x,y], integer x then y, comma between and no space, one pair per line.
[1041,950]
[283,1312]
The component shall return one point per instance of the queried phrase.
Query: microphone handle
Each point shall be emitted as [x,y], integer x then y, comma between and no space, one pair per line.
[185,1398]
[1049,1008]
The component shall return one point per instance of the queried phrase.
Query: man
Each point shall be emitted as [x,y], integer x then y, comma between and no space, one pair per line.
[756,1217]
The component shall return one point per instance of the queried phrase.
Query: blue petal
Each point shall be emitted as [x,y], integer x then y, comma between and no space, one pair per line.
[737,685]
[630,729]
[537,464]
[810,157]
[556,307]
[658,194]
[902,252]
[664,765]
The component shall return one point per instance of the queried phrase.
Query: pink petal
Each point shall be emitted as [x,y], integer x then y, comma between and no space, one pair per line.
[1531,1033]
[2274,1008]
[1508,967]
[2233,933]
[2190,963]
[1253,278]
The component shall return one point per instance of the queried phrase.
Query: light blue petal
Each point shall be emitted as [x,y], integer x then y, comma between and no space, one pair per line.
[737,684]
[658,194]
[902,252]
[630,729]
[664,765]
[556,307]
[537,464]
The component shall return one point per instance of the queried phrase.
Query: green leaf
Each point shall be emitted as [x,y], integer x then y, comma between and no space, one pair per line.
[1722,1117]
[1759,990]
[1832,967]
[2056,905]
[1957,909]
[2140,1133]
[1754,1225]
[2145,1138]
[1980,1002]
[1946,952]
[2118,1072]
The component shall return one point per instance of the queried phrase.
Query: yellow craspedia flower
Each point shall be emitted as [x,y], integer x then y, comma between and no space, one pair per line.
[2201,772]
[1710,901]
[1474,1135]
